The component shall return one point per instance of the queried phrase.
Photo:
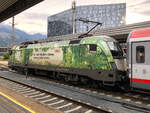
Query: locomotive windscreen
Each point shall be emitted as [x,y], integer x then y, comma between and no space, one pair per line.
[115,49]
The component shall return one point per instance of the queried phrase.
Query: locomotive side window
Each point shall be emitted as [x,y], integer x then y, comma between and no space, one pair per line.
[92,48]
[74,42]
[140,54]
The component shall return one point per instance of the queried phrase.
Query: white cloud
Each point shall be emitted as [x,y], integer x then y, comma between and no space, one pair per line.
[34,20]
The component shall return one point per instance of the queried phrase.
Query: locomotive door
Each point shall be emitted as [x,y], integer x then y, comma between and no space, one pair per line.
[140,65]
[13,56]
[26,57]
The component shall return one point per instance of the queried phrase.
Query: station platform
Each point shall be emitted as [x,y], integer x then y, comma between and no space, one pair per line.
[12,102]
[7,106]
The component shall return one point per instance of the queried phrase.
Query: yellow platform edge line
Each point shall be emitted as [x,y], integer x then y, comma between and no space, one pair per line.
[16,102]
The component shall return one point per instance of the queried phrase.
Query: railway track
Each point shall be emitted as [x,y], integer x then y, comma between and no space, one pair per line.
[59,102]
[137,99]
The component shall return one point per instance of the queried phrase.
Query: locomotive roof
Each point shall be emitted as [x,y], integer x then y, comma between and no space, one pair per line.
[15,47]
[87,40]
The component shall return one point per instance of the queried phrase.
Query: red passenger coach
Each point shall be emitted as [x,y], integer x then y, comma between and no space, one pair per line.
[138,58]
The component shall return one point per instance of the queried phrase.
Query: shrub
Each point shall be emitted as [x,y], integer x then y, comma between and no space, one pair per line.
[6,56]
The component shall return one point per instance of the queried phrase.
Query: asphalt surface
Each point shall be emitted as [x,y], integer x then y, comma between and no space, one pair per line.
[7,106]
[95,99]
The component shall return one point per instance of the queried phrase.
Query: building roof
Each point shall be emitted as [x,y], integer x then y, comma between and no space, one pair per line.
[9,8]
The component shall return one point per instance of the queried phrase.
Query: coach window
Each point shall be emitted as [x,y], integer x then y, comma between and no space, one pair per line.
[92,48]
[140,54]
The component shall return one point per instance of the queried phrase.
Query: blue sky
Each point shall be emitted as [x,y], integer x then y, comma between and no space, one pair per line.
[34,20]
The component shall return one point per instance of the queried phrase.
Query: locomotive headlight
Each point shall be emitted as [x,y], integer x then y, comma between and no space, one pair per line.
[120,64]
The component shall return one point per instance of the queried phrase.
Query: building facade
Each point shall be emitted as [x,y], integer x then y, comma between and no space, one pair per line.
[110,15]
[3,50]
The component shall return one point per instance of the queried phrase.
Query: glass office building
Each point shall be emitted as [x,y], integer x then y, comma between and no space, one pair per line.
[111,15]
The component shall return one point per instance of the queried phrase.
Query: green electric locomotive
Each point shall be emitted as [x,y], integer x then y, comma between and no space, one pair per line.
[97,59]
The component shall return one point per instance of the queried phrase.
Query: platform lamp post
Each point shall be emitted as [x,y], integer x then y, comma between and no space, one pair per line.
[13,31]
[13,34]
[74,17]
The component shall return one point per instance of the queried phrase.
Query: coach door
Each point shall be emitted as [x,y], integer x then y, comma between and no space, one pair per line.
[140,71]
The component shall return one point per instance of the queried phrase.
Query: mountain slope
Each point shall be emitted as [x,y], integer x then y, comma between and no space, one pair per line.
[20,36]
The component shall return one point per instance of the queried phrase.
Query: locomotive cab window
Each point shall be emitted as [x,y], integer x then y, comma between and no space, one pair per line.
[92,48]
[115,49]
[10,52]
[140,54]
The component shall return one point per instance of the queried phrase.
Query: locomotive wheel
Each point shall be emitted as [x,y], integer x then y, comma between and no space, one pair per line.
[100,84]
[84,81]
[66,78]
[57,75]
[92,84]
